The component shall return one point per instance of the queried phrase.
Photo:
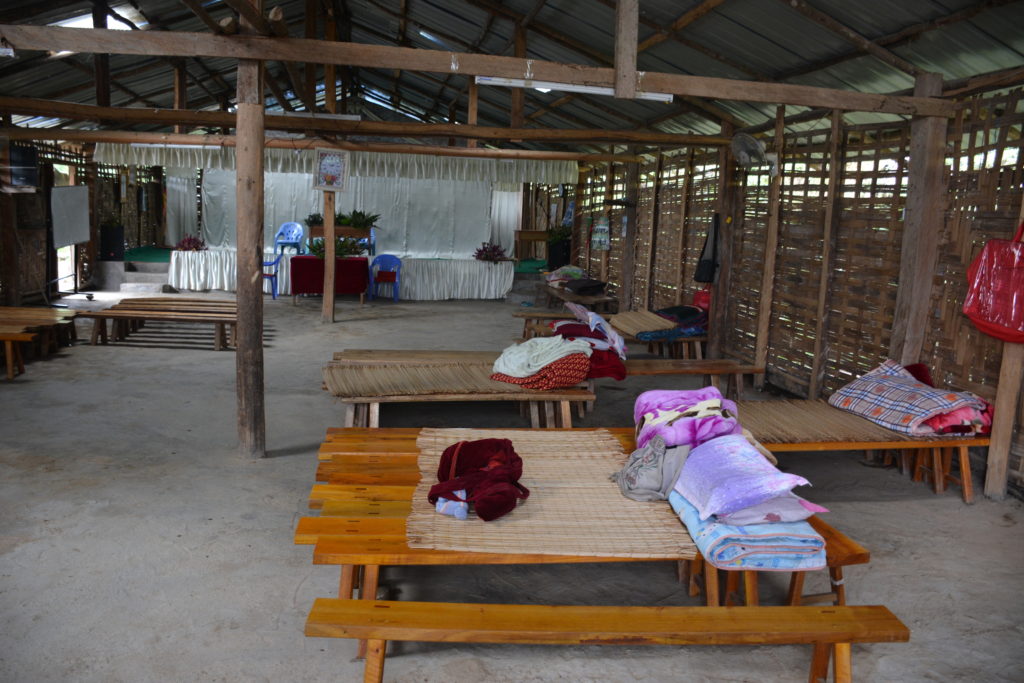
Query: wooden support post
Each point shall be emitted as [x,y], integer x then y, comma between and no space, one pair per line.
[627,17]
[731,220]
[101,62]
[517,94]
[330,70]
[771,246]
[920,247]
[609,192]
[684,205]
[327,312]
[832,209]
[180,91]
[627,269]
[249,199]
[9,267]
[652,244]
[309,71]
[472,107]
[577,220]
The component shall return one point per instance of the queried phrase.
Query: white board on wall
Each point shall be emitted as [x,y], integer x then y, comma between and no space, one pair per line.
[69,207]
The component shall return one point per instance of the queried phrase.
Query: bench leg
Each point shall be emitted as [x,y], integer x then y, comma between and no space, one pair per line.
[368,591]
[819,662]
[346,583]
[549,414]
[938,478]
[796,588]
[842,671]
[374,666]
[696,566]
[966,485]
[373,419]
[349,416]
[534,415]
[9,355]
[750,594]
[711,585]
[835,577]
[565,407]
[218,336]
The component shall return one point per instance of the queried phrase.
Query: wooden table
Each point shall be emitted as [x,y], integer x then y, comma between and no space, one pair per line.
[351,275]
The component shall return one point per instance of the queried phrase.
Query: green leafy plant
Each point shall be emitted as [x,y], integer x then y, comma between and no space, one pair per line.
[314,219]
[343,246]
[562,233]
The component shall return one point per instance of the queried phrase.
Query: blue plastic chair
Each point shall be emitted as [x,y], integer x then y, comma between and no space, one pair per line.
[289,235]
[272,276]
[385,263]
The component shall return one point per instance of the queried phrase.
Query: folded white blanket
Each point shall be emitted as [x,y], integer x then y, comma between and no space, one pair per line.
[524,360]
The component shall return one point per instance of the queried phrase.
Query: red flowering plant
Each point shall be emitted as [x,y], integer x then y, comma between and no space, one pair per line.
[191,243]
[490,252]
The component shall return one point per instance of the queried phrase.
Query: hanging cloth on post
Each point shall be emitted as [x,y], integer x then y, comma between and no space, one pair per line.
[995,289]
[707,266]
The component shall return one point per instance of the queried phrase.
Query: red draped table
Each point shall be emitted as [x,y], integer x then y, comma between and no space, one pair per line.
[350,275]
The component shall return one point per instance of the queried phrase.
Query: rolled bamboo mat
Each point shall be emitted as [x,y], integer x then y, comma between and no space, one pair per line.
[573,508]
[392,379]
[634,322]
[776,422]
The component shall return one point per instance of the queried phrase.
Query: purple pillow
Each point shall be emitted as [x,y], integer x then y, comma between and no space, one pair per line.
[788,507]
[727,474]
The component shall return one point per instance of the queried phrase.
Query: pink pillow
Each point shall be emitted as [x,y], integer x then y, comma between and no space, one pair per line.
[788,507]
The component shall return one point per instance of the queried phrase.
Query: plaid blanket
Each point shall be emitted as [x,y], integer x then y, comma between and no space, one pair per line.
[892,397]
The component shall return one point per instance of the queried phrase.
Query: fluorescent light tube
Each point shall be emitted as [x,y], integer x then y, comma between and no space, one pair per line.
[567,87]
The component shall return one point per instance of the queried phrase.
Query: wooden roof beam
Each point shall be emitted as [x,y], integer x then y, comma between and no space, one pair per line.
[251,14]
[279,27]
[203,15]
[23,37]
[901,37]
[680,23]
[851,36]
[129,137]
[301,123]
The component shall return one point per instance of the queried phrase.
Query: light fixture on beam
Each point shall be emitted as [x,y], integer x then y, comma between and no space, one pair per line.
[545,86]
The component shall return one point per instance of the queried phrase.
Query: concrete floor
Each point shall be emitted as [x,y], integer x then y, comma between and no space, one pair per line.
[135,545]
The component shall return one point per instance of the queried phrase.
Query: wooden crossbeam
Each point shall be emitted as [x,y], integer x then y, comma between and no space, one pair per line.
[23,37]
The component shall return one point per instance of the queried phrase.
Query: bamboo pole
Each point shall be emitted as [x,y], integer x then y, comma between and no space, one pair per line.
[771,246]
[249,198]
[828,242]
[652,244]
[684,205]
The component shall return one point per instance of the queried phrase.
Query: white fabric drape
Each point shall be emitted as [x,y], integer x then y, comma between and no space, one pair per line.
[216,269]
[442,279]
[423,218]
[287,197]
[363,164]
[182,212]
[505,210]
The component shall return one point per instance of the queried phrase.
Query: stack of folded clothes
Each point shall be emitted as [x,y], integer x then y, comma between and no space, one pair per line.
[739,508]
[890,395]
[544,363]
[608,349]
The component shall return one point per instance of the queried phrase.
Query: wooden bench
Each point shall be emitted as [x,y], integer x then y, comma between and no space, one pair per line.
[551,409]
[831,630]
[710,368]
[12,337]
[596,300]
[125,319]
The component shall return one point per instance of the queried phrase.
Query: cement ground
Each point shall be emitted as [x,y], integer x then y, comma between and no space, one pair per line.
[136,546]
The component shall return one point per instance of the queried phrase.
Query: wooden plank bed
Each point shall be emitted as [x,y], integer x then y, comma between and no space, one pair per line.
[803,425]
[371,476]
[131,314]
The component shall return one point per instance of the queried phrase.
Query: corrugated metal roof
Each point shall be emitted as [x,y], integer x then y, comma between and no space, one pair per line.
[743,39]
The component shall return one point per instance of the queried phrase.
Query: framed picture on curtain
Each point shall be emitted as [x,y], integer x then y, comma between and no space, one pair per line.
[331,170]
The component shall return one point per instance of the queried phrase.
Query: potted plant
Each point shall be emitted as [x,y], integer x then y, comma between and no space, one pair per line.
[356,224]
[343,246]
[490,252]
[315,219]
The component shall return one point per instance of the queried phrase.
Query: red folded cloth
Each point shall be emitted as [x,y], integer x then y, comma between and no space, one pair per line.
[564,372]
[488,470]
[606,364]
[577,330]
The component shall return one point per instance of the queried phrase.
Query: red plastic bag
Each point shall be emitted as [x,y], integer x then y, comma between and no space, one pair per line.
[995,289]
[702,298]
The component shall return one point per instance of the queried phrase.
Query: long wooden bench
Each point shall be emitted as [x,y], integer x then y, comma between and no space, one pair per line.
[12,336]
[596,300]
[713,369]
[123,320]
[831,630]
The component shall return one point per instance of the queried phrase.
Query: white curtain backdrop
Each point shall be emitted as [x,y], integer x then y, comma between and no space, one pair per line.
[182,212]
[287,197]
[505,210]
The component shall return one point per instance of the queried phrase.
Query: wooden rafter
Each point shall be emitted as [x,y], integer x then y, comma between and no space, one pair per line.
[279,27]
[203,15]
[851,36]
[128,137]
[251,14]
[679,24]
[293,49]
[297,123]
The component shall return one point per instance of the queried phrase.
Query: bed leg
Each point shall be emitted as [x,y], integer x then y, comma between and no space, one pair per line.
[373,671]
[565,407]
[966,485]
[819,662]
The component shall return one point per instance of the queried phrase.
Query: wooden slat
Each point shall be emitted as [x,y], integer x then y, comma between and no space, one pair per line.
[572,624]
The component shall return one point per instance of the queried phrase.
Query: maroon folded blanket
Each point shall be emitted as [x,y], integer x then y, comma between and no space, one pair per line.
[606,364]
[488,470]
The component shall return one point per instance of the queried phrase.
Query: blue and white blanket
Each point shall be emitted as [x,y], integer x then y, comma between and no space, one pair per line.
[777,546]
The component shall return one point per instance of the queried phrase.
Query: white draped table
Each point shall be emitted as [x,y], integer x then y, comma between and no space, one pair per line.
[440,279]
[216,269]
